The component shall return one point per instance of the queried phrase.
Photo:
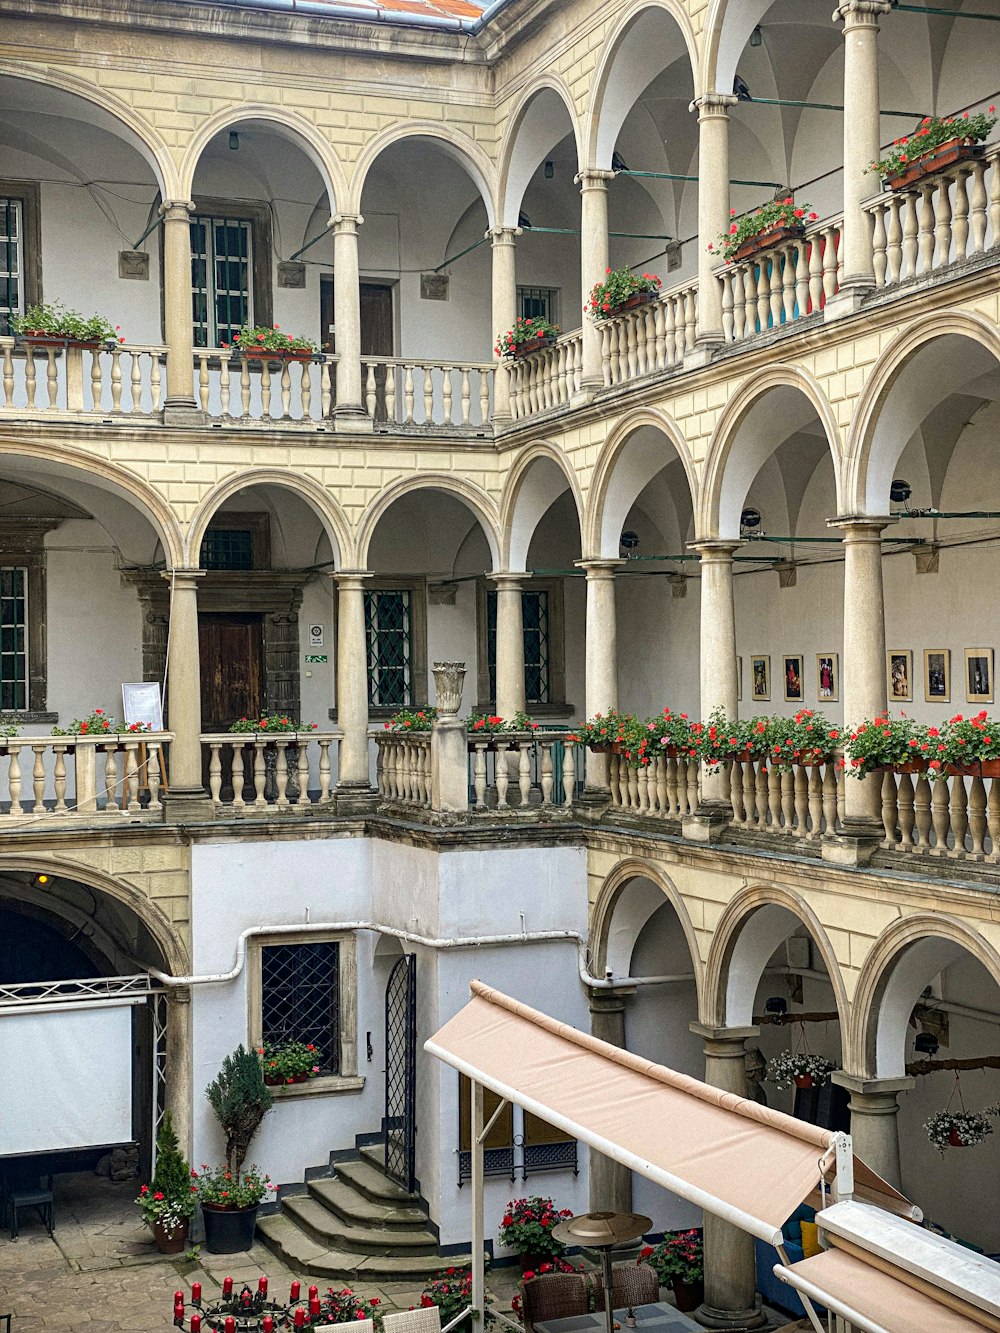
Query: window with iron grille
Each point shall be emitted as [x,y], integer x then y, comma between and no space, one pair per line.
[300,998]
[538,303]
[11,262]
[535,618]
[227,548]
[13,637]
[389,640]
[221,266]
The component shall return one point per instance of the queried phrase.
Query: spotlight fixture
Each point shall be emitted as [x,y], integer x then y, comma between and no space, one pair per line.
[756,37]
[900,491]
[926,1043]
[629,542]
[775,1004]
[549,170]
[234,140]
[41,882]
[749,523]
[741,89]
[618,163]
[523,220]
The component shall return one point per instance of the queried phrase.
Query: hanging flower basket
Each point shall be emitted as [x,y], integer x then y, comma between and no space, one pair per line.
[802,1069]
[960,1129]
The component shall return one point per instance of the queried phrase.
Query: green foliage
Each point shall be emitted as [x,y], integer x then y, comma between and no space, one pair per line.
[253,339]
[270,723]
[618,286]
[524,330]
[677,1258]
[778,213]
[408,719]
[55,321]
[931,133]
[527,1225]
[240,1099]
[172,1176]
[99,723]
[289,1060]
[232,1189]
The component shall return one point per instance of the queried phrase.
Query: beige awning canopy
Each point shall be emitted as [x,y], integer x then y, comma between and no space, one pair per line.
[733,1157]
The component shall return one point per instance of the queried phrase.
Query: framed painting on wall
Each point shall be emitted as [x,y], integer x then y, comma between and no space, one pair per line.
[760,672]
[937,675]
[899,675]
[792,666]
[828,677]
[979,675]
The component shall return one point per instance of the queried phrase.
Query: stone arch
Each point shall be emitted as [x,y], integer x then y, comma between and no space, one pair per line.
[872,450]
[519,156]
[173,949]
[140,133]
[727,29]
[287,123]
[522,506]
[124,484]
[753,924]
[730,470]
[319,499]
[458,146]
[472,497]
[900,963]
[620,475]
[610,895]
[612,90]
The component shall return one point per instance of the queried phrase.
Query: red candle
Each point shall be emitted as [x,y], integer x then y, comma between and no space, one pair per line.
[196,1323]
[300,1318]
[178,1298]
[314,1305]
[295,1292]
[262,1285]
[230,1324]
[227,1286]
[313,1291]
[196,1293]
[268,1324]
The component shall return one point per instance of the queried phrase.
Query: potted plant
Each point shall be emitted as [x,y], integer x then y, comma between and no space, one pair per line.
[229,1198]
[527,336]
[53,325]
[972,746]
[898,744]
[409,719]
[527,1227]
[801,1068]
[345,1306]
[780,220]
[936,143]
[170,1199]
[621,290]
[960,1129]
[99,723]
[802,741]
[257,342]
[451,1291]
[271,724]
[288,1062]
[679,1262]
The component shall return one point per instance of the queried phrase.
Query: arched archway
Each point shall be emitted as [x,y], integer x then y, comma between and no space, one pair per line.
[538,478]
[543,116]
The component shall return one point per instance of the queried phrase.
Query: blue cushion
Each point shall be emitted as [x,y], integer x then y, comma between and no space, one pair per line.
[792,1230]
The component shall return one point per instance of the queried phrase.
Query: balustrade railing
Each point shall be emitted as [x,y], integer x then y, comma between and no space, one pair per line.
[666,788]
[428,393]
[404,769]
[956,816]
[947,218]
[124,380]
[801,802]
[252,773]
[46,777]
[244,389]
[650,338]
[783,283]
[547,378]
[519,772]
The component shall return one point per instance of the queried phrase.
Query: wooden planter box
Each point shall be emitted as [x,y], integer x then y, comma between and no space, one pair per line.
[935,160]
[634,301]
[29,340]
[532,345]
[282,357]
[764,240]
[987,768]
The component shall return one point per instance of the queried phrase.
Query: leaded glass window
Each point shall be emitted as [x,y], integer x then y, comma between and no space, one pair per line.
[537,303]
[11,262]
[535,619]
[221,261]
[389,640]
[227,548]
[300,998]
[13,637]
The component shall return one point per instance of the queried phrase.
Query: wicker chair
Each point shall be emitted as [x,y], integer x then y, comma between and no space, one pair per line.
[553,1296]
[634,1284]
[425,1319]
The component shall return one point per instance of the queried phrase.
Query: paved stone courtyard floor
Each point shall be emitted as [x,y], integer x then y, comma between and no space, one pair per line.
[101,1272]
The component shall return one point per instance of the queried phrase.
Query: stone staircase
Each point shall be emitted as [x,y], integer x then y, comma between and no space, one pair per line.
[355,1225]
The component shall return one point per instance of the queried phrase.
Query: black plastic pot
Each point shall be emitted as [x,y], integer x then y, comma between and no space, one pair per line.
[229,1230]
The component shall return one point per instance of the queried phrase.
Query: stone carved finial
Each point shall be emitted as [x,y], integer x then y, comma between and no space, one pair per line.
[449,677]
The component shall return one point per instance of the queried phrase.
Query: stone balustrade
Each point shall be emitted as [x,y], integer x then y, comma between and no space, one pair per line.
[956,816]
[651,337]
[666,788]
[801,802]
[948,218]
[122,380]
[547,378]
[253,773]
[403,768]
[245,390]
[65,777]
[783,283]
[428,393]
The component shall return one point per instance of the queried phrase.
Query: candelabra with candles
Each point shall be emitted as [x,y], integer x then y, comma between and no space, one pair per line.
[246,1311]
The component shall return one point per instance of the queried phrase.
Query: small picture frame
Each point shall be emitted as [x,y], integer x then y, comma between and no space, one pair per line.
[739,679]
[899,675]
[828,678]
[979,675]
[937,675]
[792,668]
[760,677]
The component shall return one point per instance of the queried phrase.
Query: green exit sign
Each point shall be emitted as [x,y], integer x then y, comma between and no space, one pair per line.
[315,657]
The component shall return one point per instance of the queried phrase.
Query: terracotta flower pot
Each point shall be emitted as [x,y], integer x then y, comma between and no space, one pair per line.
[955,1140]
[688,1295]
[171,1242]
[764,240]
[934,160]
[803,1080]
[532,345]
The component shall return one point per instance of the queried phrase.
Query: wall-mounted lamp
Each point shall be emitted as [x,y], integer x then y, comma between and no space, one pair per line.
[756,37]
[234,141]
[900,491]
[41,882]
[550,170]
[926,1043]
[629,542]
[775,1004]
[749,523]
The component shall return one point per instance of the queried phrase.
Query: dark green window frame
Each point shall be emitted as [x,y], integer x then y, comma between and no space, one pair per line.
[20,250]
[537,620]
[389,646]
[14,638]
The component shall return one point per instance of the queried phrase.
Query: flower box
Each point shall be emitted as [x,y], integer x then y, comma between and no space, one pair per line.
[764,240]
[633,302]
[531,345]
[914,766]
[987,768]
[934,160]
[243,354]
[54,340]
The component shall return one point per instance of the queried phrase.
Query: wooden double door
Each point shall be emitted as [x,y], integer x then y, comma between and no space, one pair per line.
[231,648]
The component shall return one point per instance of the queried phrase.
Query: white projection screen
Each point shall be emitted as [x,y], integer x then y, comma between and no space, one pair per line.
[76,1089]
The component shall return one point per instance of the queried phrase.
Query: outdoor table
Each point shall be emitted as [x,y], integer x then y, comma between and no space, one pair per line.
[658,1318]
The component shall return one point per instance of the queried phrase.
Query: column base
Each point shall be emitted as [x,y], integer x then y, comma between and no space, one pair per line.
[708,823]
[703,352]
[187,806]
[592,805]
[849,299]
[584,394]
[182,412]
[709,1317]
[355,798]
[352,421]
[854,846]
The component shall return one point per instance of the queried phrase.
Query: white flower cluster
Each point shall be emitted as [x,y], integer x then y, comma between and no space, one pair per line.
[960,1129]
[785,1068]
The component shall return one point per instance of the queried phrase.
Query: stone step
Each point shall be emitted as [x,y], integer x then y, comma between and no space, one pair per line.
[370,1181]
[304,1255]
[331,1231]
[353,1208]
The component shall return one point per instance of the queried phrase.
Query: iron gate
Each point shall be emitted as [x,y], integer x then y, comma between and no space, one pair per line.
[401,1071]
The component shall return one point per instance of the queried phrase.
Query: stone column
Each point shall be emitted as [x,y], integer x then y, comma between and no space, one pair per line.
[730,1267]
[178,1074]
[504,242]
[601,658]
[349,413]
[874,1121]
[610,1182]
[186,797]
[177,319]
[449,742]
[719,684]
[713,212]
[861,138]
[353,784]
[593,265]
[510,645]
[863,678]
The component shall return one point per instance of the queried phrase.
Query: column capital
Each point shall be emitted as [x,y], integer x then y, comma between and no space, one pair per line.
[861,527]
[716,549]
[350,578]
[604,1001]
[345,224]
[509,578]
[182,578]
[503,235]
[173,209]
[710,105]
[593,178]
[861,13]
[600,567]
[722,1038]
[874,1090]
